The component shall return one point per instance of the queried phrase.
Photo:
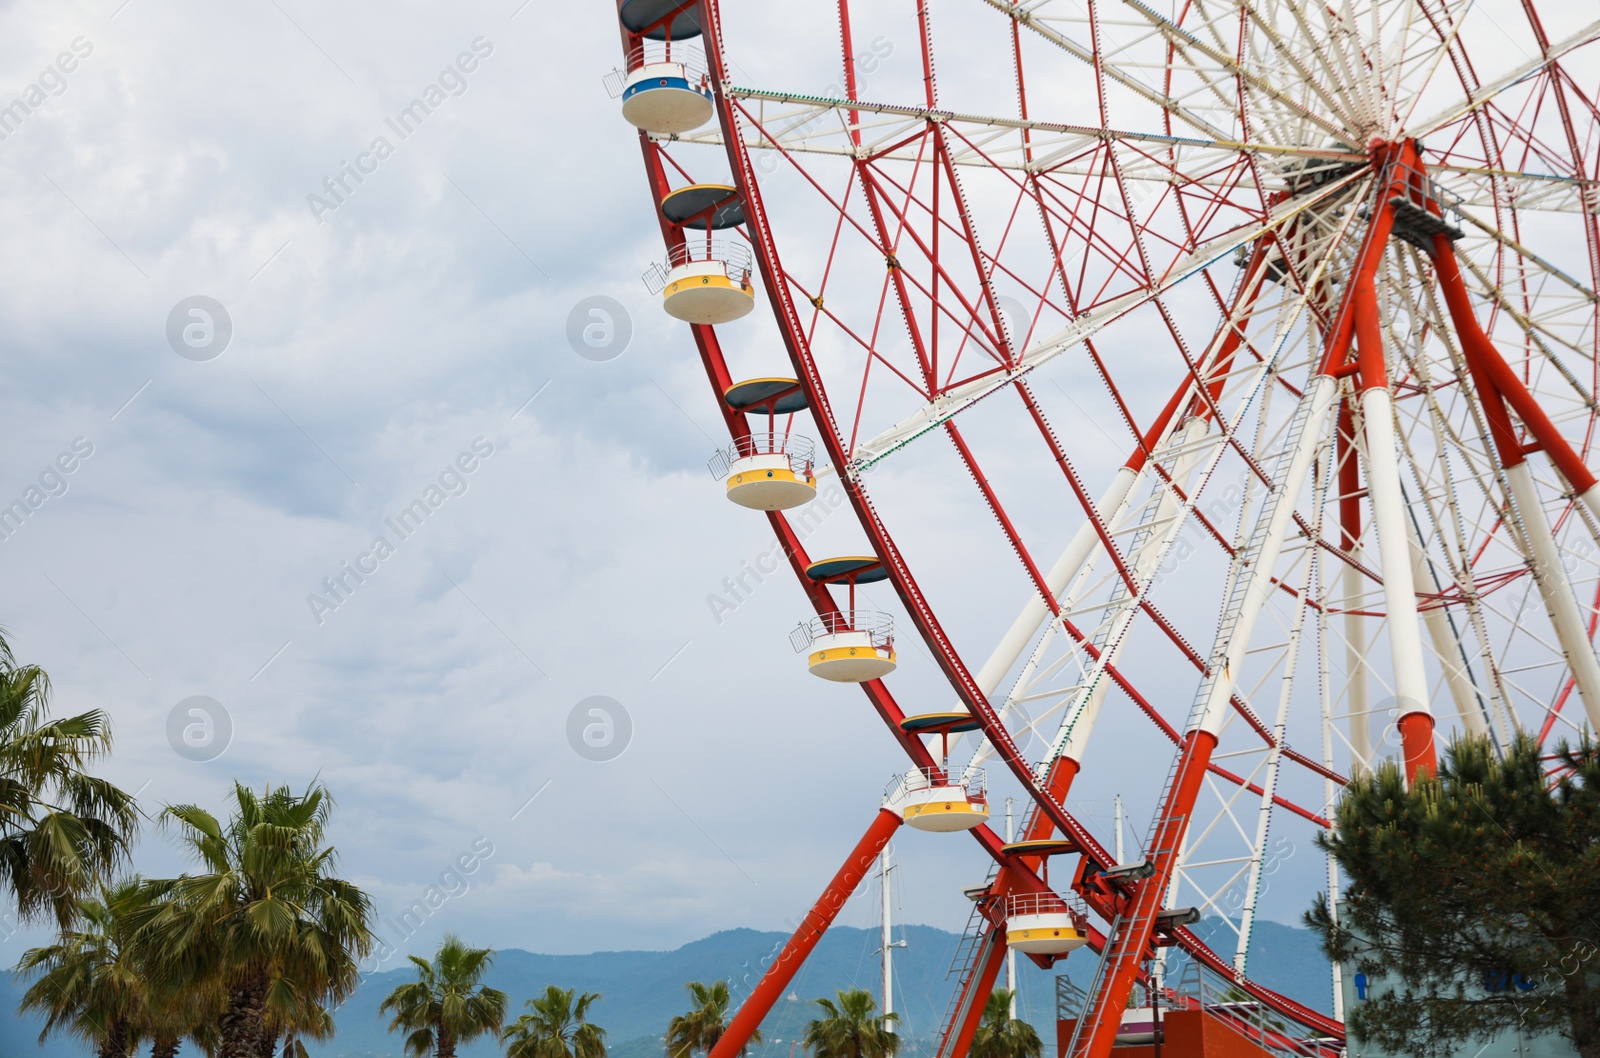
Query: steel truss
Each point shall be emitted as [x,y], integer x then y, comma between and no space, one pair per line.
[1363,242]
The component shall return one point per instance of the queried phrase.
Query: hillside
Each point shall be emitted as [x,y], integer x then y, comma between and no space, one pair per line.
[643,990]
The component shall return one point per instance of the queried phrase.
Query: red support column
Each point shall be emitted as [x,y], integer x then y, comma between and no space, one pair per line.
[1416,723]
[776,980]
[1058,780]
[1131,942]
[1483,357]
[980,986]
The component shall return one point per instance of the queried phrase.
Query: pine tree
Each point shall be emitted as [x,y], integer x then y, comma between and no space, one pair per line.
[1473,900]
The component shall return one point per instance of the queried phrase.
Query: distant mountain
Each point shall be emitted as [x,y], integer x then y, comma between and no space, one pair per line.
[642,990]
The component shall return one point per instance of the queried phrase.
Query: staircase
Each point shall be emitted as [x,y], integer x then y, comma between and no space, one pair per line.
[977,944]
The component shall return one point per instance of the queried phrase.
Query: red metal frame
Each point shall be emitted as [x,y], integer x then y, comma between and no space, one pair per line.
[776,980]
[797,344]
[979,319]
[980,986]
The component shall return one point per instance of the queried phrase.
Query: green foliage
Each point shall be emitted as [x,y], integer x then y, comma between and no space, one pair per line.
[447,1004]
[851,1028]
[266,918]
[99,983]
[1487,872]
[88,983]
[701,1028]
[999,1035]
[63,832]
[557,1027]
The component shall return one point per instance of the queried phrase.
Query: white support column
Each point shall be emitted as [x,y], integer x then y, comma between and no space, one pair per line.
[1011,953]
[1590,498]
[1357,678]
[1447,647]
[1080,716]
[1084,545]
[887,947]
[1269,785]
[1330,791]
[1116,817]
[1279,509]
[1556,589]
[1355,658]
[1394,553]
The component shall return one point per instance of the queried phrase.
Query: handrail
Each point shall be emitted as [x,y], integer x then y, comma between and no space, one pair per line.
[1048,903]
[689,55]
[734,257]
[655,53]
[800,450]
[1419,190]
[916,780]
[879,626]
[1201,989]
[734,254]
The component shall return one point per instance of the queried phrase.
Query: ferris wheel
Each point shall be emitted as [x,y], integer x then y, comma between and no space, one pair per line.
[1257,345]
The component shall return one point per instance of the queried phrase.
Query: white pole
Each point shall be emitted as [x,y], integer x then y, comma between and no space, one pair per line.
[1234,636]
[1355,627]
[888,949]
[1551,578]
[1011,953]
[1116,815]
[1330,790]
[1085,544]
[1394,553]
[1448,648]
[1079,718]
[1355,655]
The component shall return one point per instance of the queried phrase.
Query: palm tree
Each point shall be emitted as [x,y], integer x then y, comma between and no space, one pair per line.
[267,919]
[89,981]
[852,1028]
[557,1028]
[701,1028]
[1000,1035]
[63,832]
[446,1005]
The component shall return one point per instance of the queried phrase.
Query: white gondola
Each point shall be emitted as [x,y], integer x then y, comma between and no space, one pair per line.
[1044,924]
[934,800]
[848,646]
[1137,1027]
[665,89]
[705,280]
[768,472]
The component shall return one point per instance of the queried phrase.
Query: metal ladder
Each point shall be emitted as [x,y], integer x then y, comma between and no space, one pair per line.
[977,941]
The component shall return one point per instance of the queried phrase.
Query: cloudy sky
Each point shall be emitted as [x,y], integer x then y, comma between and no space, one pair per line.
[373,345]
[399,338]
